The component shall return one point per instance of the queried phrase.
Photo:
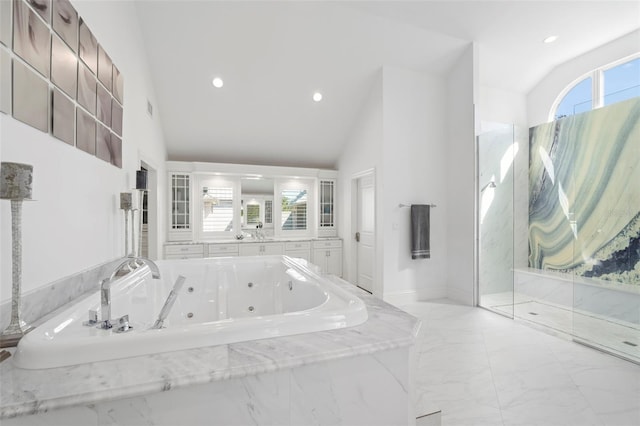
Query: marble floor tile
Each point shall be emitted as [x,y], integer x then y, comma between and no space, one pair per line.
[480,368]
[607,333]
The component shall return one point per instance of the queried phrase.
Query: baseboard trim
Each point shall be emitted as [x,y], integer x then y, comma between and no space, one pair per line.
[460,296]
[401,297]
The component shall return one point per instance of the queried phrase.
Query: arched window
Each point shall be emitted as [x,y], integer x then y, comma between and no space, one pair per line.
[603,86]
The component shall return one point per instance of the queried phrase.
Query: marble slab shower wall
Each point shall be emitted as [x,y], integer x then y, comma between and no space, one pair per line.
[584,208]
[495,159]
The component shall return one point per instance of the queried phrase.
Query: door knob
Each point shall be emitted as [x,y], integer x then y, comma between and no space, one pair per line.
[357,236]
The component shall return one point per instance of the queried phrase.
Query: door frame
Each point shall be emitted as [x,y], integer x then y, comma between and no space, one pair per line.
[353,261]
[152,207]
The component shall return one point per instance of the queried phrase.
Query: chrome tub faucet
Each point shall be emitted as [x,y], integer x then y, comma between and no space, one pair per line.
[106,322]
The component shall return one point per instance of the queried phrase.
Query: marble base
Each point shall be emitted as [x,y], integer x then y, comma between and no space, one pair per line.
[611,300]
[373,389]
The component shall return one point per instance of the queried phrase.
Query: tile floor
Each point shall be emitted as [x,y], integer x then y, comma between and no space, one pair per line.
[480,368]
[617,336]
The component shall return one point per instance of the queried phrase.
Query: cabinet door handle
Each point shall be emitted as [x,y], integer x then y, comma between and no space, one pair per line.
[328,253]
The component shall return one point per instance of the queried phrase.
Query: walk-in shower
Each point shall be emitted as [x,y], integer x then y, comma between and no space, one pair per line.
[559,229]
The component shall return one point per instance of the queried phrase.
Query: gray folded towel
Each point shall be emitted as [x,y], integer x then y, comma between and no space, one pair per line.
[420,246]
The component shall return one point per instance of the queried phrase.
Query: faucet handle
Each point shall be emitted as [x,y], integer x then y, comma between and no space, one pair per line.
[93,319]
[123,324]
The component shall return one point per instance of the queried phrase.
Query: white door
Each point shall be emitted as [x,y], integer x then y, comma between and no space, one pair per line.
[365,232]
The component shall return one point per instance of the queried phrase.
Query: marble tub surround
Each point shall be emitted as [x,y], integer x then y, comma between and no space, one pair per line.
[37,305]
[388,332]
[225,300]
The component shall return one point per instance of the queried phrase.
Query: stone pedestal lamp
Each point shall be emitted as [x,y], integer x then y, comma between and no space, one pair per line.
[126,204]
[15,186]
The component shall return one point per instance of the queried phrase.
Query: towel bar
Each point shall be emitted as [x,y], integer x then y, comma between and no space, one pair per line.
[409,205]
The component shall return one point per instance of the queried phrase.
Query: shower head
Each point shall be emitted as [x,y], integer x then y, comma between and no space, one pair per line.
[491,184]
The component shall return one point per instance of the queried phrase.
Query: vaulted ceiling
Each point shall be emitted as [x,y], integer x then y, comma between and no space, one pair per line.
[272,57]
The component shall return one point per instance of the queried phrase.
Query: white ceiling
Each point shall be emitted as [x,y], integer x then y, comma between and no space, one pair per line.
[274,55]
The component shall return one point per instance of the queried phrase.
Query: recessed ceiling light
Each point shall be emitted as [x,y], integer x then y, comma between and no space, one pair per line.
[317,96]
[550,39]
[217,82]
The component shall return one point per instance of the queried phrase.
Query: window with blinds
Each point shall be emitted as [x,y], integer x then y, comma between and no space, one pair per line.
[180,202]
[217,209]
[253,214]
[294,209]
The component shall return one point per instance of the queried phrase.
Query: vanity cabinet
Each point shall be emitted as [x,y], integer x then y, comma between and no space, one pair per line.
[261,249]
[222,250]
[183,251]
[327,254]
[299,249]
[180,206]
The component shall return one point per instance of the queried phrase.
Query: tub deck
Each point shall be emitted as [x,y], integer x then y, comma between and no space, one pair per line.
[26,392]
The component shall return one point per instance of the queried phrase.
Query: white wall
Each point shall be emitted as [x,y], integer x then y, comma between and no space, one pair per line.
[460,178]
[75,222]
[541,98]
[362,151]
[501,106]
[401,133]
[414,173]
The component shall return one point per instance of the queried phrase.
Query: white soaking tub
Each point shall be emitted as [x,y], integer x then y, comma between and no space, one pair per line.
[223,300]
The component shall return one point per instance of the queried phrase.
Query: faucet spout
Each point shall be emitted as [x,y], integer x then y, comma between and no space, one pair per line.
[134,262]
[130,263]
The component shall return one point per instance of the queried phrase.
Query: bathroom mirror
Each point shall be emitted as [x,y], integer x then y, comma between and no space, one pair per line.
[256,202]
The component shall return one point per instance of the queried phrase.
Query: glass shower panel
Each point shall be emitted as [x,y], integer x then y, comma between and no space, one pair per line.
[497,151]
[606,267]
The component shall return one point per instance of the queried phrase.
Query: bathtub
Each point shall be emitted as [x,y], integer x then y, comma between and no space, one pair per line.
[223,300]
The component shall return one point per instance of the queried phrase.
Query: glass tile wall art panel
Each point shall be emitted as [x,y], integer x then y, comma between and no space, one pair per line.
[64,67]
[116,150]
[103,143]
[85,131]
[118,85]
[86,88]
[56,77]
[116,118]
[30,97]
[5,23]
[63,121]
[5,81]
[88,49]
[104,106]
[65,22]
[31,38]
[105,68]
[42,7]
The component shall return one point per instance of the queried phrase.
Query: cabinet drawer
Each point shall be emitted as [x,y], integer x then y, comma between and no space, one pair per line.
[223,249]
[182,249]
[184,256]
[327,244]
[300,245]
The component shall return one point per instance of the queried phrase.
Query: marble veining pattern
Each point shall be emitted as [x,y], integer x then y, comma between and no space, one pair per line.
[35,391]
[584,212]
[479,368]
[41,303]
